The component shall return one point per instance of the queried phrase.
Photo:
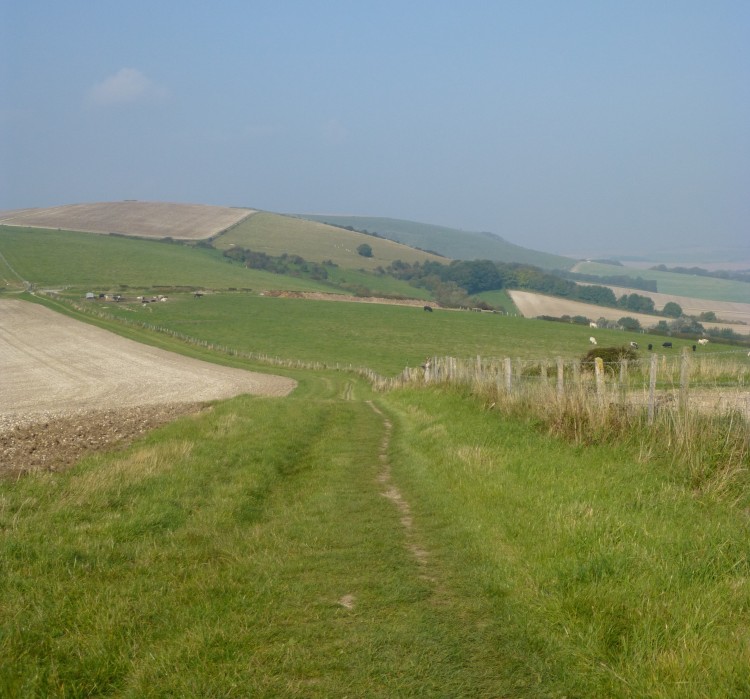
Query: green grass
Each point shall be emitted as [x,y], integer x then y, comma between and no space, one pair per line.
[231,554]
[381,337]
[226,556]
[275,234]
[678,284]
[385,338]
[602,573]
[96,262]
[379,284]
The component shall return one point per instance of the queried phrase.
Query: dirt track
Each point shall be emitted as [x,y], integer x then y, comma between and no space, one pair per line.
[68,387]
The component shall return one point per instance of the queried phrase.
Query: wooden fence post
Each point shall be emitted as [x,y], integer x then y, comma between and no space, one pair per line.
[599,371]
[684,378]
[508,374]
[652,389]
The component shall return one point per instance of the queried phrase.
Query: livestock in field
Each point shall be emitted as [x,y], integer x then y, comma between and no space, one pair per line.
[592,340]
[666,344]
[428,309]
[634,345]
[650,347]
[703,341]
[592,324]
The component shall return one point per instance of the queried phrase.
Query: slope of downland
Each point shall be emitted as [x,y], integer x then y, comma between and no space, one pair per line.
[451,242]
[275,234]
[133,218]
[68,258]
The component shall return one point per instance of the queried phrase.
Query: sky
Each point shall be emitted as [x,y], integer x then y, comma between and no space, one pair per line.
[570,126]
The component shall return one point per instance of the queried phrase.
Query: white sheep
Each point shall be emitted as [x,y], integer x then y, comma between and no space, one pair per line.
[703,341]
[592,340]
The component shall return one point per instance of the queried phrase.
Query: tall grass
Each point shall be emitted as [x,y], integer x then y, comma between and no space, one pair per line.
[609,573]
[700,418]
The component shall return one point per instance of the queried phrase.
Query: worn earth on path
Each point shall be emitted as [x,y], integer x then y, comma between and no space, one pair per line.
[67,387]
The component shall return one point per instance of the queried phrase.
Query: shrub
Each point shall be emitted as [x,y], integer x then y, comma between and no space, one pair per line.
[609,355]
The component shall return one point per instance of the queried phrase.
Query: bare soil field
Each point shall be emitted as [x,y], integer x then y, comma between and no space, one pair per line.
[532,305]
[67,387]
[135,218]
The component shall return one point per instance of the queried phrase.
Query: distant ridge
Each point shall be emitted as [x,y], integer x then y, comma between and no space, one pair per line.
[450,242]
[133,218]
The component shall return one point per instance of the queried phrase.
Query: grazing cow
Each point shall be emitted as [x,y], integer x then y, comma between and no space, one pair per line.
[650,347]
[634,345]
[703,341]
[666,344]
[428,309]
[592,340]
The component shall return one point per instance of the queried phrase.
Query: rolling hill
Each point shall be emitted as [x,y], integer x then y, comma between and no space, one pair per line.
[451,242]
[275,234]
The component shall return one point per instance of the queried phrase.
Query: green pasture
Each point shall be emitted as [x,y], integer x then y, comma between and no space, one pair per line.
[275,234]
[99,263]
[500,300]
[379,284]
[385,338]
[678,284]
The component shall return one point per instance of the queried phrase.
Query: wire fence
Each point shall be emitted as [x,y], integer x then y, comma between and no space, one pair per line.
[718,382]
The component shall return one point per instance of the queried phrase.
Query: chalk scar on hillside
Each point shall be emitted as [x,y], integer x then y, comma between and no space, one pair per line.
[52,363]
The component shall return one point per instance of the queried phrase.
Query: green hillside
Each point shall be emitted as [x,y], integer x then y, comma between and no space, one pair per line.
[66,258]
[679,284]
[451,242]
[275,234]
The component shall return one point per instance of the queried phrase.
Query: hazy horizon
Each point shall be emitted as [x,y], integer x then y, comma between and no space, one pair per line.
[574,128]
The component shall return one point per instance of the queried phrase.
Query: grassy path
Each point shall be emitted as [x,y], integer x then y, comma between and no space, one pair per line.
[260,550]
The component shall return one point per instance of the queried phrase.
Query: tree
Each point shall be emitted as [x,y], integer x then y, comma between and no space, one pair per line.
[365,250]
[672,309]
[629,323]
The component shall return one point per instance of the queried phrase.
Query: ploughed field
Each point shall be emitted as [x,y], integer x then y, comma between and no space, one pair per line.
[67,387]
[134,218]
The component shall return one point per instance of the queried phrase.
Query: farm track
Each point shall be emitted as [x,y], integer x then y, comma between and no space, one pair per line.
[67,387]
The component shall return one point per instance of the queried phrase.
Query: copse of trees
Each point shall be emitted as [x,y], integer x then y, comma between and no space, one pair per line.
[293,265]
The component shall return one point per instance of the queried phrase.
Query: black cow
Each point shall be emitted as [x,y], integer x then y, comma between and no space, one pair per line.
[428,308]
[666,344]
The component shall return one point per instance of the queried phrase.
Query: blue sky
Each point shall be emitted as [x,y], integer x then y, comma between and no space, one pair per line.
[564,126]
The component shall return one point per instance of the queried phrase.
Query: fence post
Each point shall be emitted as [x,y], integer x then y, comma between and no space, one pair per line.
[599,371]
[684,378]
[560,377]
[652,389]
[508,374]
